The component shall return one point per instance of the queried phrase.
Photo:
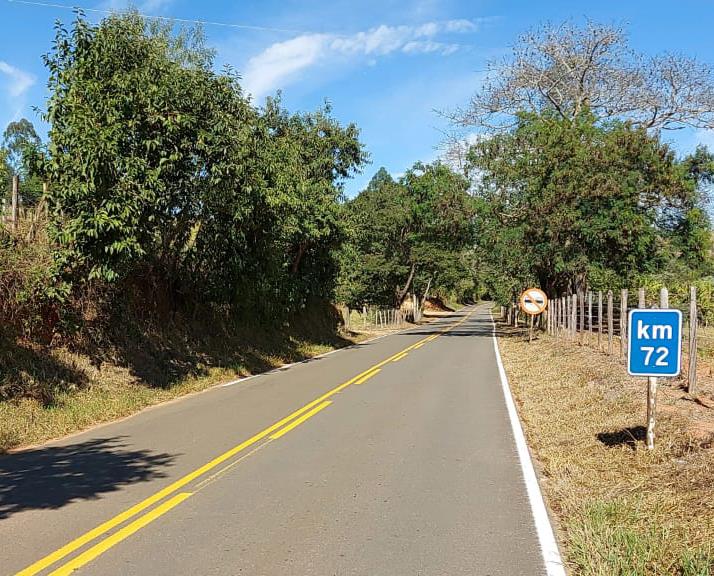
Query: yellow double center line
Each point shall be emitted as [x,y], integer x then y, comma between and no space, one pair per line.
[272,432]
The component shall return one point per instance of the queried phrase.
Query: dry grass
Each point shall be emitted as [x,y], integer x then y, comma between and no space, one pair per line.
[622,510]
[54,391]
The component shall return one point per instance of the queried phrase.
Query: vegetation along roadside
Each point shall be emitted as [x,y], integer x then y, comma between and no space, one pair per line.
[622,509]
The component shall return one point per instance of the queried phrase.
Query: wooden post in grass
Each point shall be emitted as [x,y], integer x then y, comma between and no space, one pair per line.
[599,320]
[15,201]
[558,325]
[556,318]
[574,316]
[530,329]
[590,316]
[641,298]
[569,316]
[609,321]
[623,323]
[652,386]
[581,297]
[693,320]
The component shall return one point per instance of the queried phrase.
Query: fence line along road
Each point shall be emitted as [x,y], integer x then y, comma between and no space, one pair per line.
[599,319]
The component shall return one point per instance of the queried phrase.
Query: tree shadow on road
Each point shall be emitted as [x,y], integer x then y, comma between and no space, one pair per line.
[54,476]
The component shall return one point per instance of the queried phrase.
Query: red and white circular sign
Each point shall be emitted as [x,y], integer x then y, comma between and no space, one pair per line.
[533,301]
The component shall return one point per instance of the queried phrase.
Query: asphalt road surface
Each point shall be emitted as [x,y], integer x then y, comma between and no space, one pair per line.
[395,457]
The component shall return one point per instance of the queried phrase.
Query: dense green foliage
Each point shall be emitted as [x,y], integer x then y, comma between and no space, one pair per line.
[566,205]
[409,235]
[161,168]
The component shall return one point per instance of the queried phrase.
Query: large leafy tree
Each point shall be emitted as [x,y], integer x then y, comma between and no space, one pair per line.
[409,235]
[565,202]
[160,165]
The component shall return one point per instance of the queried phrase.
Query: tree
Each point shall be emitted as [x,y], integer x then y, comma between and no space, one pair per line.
[5,175]
[128,142]
[567,69]
[18,136]
[692,234]
[408,235]
[563,202]
[163,170]
[21,144]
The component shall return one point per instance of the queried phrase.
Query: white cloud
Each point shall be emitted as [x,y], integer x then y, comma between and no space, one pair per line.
[18,82]
[282,62]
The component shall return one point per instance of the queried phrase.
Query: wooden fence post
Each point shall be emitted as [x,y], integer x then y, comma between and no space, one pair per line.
[641,298]
[574,316]
[566,319]
[623,323]
[590,316]
[15,201]
[581,298]
[556,318]
[693,321]
[609,321]
[599,320]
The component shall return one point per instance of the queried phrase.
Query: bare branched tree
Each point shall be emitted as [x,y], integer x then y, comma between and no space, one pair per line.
[568,68]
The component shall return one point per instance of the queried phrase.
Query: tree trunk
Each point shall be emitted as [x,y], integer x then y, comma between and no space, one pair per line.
[401,294]
[298,258]
[426,292]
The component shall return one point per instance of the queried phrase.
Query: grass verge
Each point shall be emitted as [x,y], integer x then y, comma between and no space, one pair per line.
[622,510]
[54,391]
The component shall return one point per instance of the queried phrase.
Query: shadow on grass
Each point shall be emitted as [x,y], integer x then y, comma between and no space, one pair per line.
[625,437]
[162,354]
[52,477]
[29,371]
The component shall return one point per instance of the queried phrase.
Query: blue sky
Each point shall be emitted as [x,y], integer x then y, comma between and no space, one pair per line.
[385,65]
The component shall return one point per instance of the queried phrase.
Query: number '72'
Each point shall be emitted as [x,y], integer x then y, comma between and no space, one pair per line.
[649,350]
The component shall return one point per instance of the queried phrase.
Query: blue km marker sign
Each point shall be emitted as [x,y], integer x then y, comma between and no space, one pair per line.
[655,347]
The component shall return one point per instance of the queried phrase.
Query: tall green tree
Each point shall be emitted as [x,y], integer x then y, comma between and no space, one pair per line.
[564,203]
[20,144]
[162,168]
[409,235]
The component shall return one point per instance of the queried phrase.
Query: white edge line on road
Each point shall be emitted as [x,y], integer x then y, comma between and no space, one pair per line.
[546,536]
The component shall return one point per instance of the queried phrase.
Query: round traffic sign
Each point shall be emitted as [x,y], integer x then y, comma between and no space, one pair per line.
[533,301]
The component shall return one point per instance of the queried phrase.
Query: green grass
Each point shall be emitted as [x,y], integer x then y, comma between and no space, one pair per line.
[619,537]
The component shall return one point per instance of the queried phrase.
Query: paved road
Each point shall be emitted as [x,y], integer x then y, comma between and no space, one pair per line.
[408,469]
